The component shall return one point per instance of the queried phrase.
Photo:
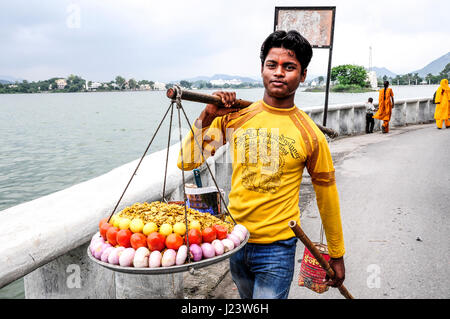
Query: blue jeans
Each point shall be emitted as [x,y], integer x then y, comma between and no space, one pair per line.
[264,271]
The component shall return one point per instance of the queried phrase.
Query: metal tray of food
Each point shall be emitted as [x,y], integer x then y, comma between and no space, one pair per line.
[172,269]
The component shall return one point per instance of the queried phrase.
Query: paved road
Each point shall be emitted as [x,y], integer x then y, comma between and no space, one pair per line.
[395,205]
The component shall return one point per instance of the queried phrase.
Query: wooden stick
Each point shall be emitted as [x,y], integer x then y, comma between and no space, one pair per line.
[213,99]
[316,253]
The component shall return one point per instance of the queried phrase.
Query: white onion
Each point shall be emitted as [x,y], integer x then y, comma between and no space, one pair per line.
[208,250]
[154,260]
[96,237]
[218,247]
[105,254]
[242,228]
[239,234]
[99,249]
[95,243]
[126,257]
[168,259]
[196,252]
[227,244]
[114,255]
[181,255]
[141,257]
[236,241]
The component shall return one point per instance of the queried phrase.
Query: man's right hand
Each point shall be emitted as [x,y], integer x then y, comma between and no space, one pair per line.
[212,111]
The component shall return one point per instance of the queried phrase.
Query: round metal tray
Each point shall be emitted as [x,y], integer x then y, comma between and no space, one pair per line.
[172,269]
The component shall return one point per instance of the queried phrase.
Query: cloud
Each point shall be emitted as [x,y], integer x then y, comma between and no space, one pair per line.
[159,40]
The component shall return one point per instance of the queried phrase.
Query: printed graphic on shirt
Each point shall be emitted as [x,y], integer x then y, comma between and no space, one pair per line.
[262,155]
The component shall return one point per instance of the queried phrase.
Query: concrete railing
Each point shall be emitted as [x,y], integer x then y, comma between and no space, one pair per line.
[45,240]
[348,119]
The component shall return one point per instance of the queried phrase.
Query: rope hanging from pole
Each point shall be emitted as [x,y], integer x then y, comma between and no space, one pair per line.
[178,96]
[176,100]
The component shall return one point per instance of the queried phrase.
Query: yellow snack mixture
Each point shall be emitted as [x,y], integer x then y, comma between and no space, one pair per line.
[160,213]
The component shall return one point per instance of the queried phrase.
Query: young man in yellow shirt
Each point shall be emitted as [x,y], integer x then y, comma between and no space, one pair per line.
[271,142]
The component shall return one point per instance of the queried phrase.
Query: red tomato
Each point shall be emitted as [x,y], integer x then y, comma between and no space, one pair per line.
[111,235]
[195,236]
[102,221]
[208,235]
[103,229]
[155,241]
[221,231]
[174,241]
[123,237]
[138,240]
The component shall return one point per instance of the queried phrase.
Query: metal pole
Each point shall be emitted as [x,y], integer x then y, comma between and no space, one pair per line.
[327,89]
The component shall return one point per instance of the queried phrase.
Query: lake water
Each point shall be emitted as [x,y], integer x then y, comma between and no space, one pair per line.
[49,142]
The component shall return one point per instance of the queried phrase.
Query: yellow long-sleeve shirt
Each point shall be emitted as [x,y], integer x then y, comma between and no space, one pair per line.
[270,147]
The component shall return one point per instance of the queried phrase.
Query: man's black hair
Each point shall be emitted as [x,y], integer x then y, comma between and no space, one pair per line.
[370,99]
[291,40]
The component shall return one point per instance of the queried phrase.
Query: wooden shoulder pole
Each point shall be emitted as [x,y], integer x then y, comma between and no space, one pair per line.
[212,99]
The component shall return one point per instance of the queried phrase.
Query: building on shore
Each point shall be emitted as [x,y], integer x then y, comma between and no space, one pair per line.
[372,78]
[94,86]
[61,84]
[145,87]
[159,86]
[221,82]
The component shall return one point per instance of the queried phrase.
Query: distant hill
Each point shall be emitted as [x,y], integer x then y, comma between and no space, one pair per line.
[381,72]
[224,77]
[6,79]
[434,67]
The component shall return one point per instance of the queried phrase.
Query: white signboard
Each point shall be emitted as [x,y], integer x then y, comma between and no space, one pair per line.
[315,24]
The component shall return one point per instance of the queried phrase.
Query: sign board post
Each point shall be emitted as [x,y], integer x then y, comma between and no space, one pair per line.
[316,24]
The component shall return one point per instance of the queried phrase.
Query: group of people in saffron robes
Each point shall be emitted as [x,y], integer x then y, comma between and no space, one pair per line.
[386,104]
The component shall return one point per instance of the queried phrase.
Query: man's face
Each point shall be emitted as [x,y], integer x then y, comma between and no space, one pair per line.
[282,73]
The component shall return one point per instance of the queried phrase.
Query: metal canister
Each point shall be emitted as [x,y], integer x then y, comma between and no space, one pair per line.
[311,274]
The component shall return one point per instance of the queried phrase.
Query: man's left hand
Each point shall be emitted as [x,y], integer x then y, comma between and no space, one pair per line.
[337,264]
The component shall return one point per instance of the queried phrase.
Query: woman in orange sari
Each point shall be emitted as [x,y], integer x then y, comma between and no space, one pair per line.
[385,106]
[442,111]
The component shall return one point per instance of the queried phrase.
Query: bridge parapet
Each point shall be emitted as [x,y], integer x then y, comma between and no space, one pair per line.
[348,119]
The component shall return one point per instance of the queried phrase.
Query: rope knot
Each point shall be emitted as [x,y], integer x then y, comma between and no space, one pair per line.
[177,99]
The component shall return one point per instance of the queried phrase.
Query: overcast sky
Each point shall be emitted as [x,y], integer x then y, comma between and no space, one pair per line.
[172,40]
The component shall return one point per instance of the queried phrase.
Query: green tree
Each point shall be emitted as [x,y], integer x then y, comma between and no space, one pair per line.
[429,78]
[186,84]
[445,73]
[132,84]
[120,81]
[416,78]
[321,79]
[349,74]
[75,84]
[24,87]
